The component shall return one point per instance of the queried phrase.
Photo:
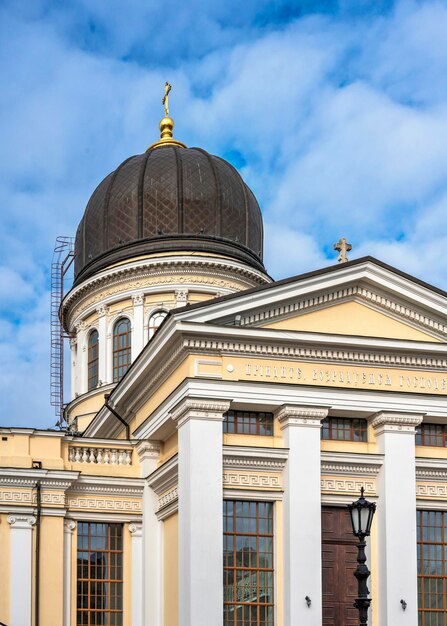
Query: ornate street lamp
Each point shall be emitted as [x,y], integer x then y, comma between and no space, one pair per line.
[362,513]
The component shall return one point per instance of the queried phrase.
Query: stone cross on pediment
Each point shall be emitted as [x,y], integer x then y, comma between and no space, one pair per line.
[342,246]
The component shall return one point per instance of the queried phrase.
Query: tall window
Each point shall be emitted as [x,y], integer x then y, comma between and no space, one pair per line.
[432,567]
[100,575]
[431,435]
[155,321]
[248,563]
[121,348]
[248,423]
[344,429]
[93,360]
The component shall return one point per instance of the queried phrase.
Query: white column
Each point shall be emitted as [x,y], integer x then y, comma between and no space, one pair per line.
[136,532]
[21,559]
[302,514]
[138,325]
[200,487]
[102,312]
[396,518]
[149,454]
[69,526]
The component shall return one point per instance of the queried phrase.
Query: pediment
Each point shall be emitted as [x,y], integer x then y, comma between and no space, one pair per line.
[350,318]
[360,298]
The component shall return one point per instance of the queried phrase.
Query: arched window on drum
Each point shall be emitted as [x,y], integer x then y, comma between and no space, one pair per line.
[155,321]
[93,359]
[121,348]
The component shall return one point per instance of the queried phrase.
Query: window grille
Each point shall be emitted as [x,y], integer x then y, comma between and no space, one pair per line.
[93,355]
[248,563]
[99,596]
[248,423]
[344,429]
[432,567]
[121,348]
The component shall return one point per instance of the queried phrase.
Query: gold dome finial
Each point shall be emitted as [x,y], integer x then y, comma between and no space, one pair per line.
[166,125]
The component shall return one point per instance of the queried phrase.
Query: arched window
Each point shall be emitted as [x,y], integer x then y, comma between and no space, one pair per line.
[92,359]
[121,348]
[155,320]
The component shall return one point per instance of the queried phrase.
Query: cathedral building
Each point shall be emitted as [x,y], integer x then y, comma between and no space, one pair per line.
[220,422]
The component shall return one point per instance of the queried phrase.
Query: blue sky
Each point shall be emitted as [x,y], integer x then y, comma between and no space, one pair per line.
[335,113]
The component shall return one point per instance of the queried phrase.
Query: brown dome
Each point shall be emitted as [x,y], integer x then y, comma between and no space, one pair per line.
[169,199]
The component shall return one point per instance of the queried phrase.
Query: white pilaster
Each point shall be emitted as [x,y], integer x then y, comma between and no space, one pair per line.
[149,453]
[181,297]
[138,325]
[81,363]
[396,518]
[73,357]
[109,355]
[69,526]
[21,569]
[102,312]
[136,532]
[200,488]
[302,514]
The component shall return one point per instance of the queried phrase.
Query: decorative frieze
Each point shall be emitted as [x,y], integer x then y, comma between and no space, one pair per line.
[252,480]
[100,456]
[347,485]
[106,504]
[427,491]
[153,273]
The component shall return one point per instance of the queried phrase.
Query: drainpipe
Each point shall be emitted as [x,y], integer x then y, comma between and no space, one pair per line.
[112,410]
[37,585]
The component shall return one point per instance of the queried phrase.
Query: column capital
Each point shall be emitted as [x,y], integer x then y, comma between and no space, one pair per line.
[391,421]
[102,310]
[136,529]
[69,526]
[299,415]
[208,409]
[138,299]
[21,521]
[148,450]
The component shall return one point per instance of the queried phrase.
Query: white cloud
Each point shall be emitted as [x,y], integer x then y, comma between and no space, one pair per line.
[341,122]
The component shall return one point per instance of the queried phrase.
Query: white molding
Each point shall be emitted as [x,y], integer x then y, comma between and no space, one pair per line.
[352,464]
[301,416]
[263,495]
[208,409]
[20,574]
[69,528]
[157,273]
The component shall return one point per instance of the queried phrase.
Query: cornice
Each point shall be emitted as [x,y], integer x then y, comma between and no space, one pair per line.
[164,477]
[149,269]
[358,292]
[48,479]
[431,469]
[259,459]
[362,465]
[283,348]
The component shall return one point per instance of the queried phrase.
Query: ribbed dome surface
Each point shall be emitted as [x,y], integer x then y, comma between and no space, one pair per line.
[169,199]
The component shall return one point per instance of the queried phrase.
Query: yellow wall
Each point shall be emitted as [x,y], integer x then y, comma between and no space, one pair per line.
[352,318]
[5,565]
[51,570]
[170,570]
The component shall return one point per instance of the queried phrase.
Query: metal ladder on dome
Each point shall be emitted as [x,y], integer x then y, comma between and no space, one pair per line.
[63,256]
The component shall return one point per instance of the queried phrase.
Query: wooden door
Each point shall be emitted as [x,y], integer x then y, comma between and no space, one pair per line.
[339,553]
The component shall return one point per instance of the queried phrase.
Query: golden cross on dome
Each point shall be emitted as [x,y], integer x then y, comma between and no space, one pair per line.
[343,247]
[165,101]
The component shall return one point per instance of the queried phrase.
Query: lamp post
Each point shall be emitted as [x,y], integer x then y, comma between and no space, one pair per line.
[362,513]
